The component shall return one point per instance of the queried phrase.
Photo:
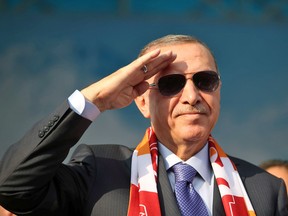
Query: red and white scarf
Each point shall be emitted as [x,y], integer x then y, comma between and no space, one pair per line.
[144,199]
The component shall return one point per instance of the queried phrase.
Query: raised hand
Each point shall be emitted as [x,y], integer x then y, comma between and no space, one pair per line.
[120,88]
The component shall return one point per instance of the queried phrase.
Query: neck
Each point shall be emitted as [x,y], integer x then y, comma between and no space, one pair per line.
[185,150]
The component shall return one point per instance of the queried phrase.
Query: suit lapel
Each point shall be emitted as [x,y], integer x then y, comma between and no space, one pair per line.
[167,199]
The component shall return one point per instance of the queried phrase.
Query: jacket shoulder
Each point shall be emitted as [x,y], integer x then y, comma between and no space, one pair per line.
[266,192]
[247,169]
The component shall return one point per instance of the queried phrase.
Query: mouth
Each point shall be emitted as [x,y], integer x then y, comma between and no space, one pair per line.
[190,114]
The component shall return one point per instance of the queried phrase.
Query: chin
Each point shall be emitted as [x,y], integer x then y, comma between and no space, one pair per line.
[194,136]
[194,139]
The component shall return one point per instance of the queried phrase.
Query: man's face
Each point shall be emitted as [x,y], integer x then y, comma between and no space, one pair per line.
[175,119]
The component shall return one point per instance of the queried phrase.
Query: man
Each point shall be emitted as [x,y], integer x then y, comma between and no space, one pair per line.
[175,83]
[278,168]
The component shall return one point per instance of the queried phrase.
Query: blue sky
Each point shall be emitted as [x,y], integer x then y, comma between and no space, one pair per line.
[44,58]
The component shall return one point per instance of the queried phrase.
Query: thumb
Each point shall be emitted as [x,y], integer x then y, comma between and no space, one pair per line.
[141,88]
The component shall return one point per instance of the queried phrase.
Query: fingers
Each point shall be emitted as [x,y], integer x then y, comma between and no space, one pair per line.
[120,88]
[140,89]
[153,61]
[148,65]
[152,64]
[157,64]
[144,59]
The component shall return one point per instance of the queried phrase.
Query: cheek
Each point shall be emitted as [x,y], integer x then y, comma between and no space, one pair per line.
[214,106]
[160,111]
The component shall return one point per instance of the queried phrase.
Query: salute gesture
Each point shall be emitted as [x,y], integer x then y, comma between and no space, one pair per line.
[120,88]
[177,163]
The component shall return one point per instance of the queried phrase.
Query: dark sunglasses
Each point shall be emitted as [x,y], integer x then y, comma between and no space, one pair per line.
[172,84]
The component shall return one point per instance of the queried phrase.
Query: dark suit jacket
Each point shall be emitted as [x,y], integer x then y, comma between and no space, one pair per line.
[33,180]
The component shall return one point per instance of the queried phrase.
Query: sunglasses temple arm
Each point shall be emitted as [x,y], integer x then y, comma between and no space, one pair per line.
[152,85]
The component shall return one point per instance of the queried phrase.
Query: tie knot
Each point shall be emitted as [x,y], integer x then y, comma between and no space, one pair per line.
[184,172]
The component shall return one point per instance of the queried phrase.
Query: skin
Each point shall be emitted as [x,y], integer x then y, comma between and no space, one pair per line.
[4,212]
[182,122]
[120,88]
[280,172]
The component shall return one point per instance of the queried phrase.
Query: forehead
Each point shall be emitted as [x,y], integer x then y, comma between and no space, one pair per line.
[191,58]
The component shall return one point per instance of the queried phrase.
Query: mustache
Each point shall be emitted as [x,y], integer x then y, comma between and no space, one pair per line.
[188,109]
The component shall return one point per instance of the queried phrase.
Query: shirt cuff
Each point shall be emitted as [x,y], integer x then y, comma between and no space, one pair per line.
[79,104]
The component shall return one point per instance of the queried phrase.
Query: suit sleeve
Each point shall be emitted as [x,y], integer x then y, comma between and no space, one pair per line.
[32,176]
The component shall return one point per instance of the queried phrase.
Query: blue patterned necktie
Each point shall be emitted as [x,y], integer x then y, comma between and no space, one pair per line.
[189,201]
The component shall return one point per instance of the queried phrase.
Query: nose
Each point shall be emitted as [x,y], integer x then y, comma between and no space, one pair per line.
[190,94]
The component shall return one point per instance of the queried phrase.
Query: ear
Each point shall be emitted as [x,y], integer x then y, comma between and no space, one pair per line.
[142,103]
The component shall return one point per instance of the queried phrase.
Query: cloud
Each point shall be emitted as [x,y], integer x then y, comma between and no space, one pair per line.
[259,135]
[28,92]
[40,68]
[35,79]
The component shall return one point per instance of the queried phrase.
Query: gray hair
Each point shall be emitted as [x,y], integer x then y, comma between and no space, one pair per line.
[172,40]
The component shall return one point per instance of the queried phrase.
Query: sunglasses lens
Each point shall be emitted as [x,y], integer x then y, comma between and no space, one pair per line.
[171,84]
[206,81]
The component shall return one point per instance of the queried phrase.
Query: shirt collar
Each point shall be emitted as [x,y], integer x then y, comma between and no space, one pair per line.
[199,161]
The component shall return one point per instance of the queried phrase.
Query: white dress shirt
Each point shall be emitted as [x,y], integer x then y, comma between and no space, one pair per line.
[83,107]
[203,182]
